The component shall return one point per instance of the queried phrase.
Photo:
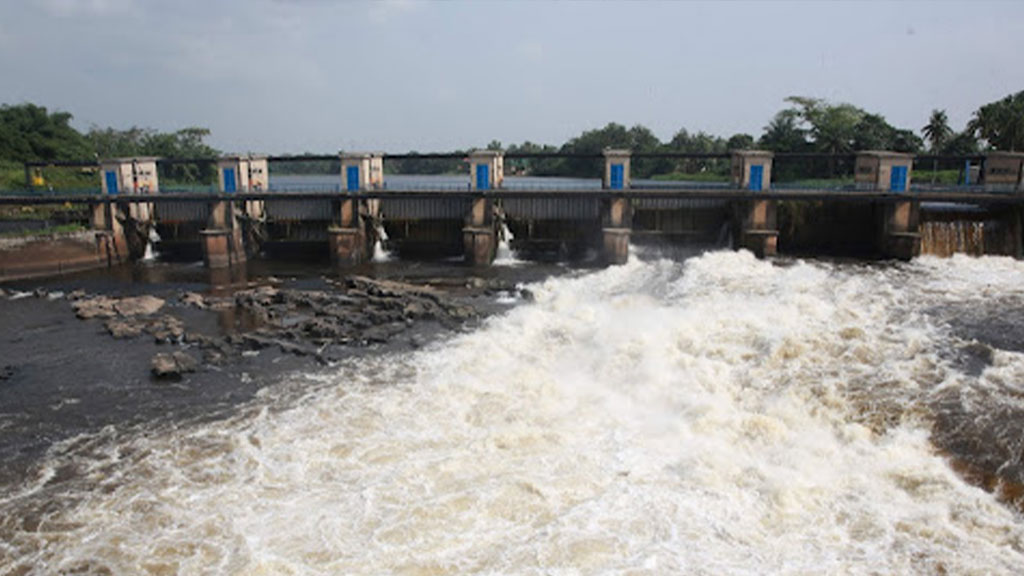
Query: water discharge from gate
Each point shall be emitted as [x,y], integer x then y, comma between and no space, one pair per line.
[716,415]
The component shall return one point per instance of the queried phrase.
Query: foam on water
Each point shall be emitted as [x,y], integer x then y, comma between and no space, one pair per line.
[504,255]
[721,415]
[380,254]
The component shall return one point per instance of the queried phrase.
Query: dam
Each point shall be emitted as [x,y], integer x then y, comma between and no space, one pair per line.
[882,213]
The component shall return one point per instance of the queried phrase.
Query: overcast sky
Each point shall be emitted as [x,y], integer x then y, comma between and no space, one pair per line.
[322,75]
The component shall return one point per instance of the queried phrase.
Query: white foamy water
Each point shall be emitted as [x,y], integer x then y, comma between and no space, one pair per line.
[149,254]
[719,416]
[380,254]
[504,255]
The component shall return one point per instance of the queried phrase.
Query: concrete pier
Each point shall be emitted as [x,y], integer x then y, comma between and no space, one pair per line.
[123,228]
[615,233]
[222,238]
[479,236]
[349,239]
[758,224]
[882,171]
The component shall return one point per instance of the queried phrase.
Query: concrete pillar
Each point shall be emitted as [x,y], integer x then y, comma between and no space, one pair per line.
[758,224]
[618,217]
[479,236]
[1004,172]
[244,174]
[348,238]
[883,171]
[124,176]
[223,243]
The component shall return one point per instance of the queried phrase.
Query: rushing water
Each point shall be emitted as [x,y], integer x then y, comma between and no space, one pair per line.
[719,415]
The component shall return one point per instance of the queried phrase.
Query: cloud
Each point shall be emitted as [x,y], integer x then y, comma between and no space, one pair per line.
[531,50]
[73,8]
[385,11]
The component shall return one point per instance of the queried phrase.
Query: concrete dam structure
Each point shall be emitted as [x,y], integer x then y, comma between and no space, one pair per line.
[881,215]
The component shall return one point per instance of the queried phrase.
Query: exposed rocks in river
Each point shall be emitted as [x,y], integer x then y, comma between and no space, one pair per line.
[354,312]
[164,328]
[139,305]
[174,364]
[107,307]
[193,299]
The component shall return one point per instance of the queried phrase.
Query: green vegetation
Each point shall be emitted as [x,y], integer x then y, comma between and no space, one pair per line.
[1001,123]
[694,177]
[50,231]
[29,133]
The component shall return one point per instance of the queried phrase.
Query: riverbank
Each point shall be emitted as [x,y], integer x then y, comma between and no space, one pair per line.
[87,351]
[41,255]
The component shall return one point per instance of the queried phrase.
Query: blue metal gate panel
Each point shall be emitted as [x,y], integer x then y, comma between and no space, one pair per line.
[898,179]
[352,178]
[229,180]
[483,180]
[111,177]
[617,179]
[756,177]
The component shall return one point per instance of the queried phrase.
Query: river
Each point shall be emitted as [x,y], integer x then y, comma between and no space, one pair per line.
[715,414]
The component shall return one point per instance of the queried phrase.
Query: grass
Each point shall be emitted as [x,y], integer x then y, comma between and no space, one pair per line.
[695,177]
[51,231]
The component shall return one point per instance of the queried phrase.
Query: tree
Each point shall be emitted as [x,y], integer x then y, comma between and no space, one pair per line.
[740,142]
[1001,123]
[28,133]
[937,131]
[784,134]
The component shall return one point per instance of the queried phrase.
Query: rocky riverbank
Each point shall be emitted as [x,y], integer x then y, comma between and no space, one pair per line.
[89,352]
[322,324]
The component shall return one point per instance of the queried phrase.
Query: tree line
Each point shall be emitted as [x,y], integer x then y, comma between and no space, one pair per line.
[31,134]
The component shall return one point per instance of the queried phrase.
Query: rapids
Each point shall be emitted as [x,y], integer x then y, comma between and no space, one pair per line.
[718,415]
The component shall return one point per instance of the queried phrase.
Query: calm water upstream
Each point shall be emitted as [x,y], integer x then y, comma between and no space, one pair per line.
[710,415]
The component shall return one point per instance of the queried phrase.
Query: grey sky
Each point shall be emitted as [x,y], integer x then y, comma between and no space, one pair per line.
[319,75]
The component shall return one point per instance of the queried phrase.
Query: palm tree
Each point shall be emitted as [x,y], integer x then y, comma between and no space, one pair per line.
[937,131]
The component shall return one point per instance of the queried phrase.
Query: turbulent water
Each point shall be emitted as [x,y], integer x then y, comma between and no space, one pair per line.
[720,415]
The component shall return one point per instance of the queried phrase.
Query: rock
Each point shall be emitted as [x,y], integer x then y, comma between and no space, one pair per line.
[172,365]
[138,306]
[6,372]
[213,356]
[219,303]
[124,328]
[193,299]
[54,296]
[98,307]
[39,293]
[414,309]
[166,329]
[526,294]
[383,333]
[76,295]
